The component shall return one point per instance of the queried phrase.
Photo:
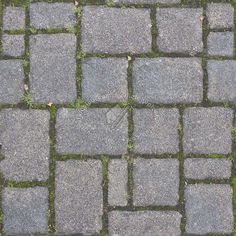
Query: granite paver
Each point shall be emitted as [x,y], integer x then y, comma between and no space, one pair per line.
[13,18]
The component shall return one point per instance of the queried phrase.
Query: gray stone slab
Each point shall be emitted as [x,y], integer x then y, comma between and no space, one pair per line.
[207,130]
[104,79]
[221,80]
[52,15]
[118,180]
[13,45]
[25,211]
[115,30]
[209,209]
[220,15]
[148,1]
[79,197]
[13,18]
[167,80]
[144,223]
[12,81]
[25,144]
[220,43]
[156,182]
[207,168]
[155,131]
[179,30]
[92,131]
[53,68]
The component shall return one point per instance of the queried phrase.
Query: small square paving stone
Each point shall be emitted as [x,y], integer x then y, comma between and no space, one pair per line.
[25,144]
[207,130]
[118,179]
[13,45]
[79,197]
[209,209]
[220,44]
[155,131]
[222,80]
[220,15]
[52,15]
[92,131]
[179,30]
[207,168]
[115,30]
[156,182]
[13,18]
[25,211]
[148,1]
[167,80]
[11,80]
[53,68]
[144,223]
[104,80]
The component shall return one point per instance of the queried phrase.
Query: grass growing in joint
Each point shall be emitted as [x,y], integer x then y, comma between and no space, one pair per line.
[27,98]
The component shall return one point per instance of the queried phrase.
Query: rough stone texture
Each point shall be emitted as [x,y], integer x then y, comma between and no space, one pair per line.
[200,168]
[155,131]
[13,18]
[167,80]
[11,80]
[144,223]
[114,30]
[220,44]
[148,1]
[179,30]
[13,45]
[207,130]
[220,15]
[209,209]
[222,80]
[104,79]
[156,182]
[79,198]
[25,210]
[25,144]
[92,131]
[118,180]
[53,68]
[52,15]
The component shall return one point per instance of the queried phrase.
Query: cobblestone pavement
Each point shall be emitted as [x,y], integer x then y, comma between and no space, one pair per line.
[117,117]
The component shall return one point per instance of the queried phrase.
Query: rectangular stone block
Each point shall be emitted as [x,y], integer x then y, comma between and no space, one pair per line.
[115,30]
[79,197]
[207,168]
[167,80]
[53,68]
[118,182]
[92,131]
[207,130]
[155,223]
[24,136]
[12,81]
[148,1]
[52,15]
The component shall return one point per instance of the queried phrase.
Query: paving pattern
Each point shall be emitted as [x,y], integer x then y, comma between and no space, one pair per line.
[117,117]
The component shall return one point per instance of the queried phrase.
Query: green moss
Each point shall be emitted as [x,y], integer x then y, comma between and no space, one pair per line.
[17,3]
[27,98]
[233,131]
[213,155]
[80,55]
[110,3]
[72,30]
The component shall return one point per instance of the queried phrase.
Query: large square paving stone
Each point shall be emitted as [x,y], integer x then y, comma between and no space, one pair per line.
[167,80]
[92,131]
[209,209]
[156,182]
[144,223]
[114,30]
[25,211]
[24,135]
[207,130]
[12,81]
[53,68]
[155,131]
[222,80]
[79,197]
[179,30]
